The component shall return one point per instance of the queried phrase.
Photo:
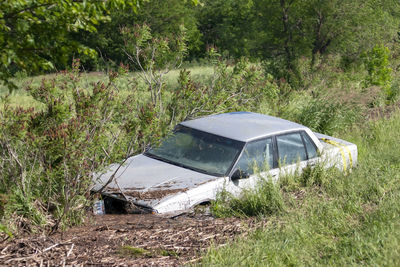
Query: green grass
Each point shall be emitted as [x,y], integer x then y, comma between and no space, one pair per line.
[20,97]
[336,220]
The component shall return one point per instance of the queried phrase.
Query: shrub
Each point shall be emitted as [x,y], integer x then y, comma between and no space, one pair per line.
[48,156]
[379,72]
[244,87]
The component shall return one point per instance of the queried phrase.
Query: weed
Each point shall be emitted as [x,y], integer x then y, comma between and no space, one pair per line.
[4,229]
[326,117]
[170,253]
[133,252]
[316,175]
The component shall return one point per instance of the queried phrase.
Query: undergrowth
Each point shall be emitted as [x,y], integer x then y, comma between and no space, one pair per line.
[56,131]
[265,199]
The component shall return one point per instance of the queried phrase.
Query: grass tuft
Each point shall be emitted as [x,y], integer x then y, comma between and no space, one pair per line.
[132,252]
[169,253]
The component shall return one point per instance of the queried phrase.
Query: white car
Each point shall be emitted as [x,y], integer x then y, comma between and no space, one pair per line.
[219,152]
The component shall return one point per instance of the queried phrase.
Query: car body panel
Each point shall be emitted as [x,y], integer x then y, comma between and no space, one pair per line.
[338,152]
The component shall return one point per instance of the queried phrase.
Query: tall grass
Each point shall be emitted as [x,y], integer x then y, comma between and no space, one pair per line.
[337,220]
[265,199]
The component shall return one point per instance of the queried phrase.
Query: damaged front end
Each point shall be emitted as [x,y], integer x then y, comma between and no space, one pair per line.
[130,201]
[116,204]
[146,185]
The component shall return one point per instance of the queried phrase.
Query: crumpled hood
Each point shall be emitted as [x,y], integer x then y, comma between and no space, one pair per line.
[146,181]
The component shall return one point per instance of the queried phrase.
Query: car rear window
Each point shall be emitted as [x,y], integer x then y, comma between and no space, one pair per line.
[291,148]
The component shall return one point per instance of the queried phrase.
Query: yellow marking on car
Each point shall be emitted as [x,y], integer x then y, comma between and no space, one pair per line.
[340,146]
[348,151]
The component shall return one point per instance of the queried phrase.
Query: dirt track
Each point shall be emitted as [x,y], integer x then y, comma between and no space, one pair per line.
[125,240]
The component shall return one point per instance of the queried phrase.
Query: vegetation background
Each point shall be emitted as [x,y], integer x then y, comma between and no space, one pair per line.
[89,83]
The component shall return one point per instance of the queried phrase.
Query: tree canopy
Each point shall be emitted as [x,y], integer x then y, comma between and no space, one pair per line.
[41,35]
[165,19]
[35,32]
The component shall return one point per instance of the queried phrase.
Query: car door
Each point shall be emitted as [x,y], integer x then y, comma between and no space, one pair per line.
[258,160]
[295,151]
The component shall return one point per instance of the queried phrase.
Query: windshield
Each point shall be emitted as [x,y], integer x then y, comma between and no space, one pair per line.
[198,150]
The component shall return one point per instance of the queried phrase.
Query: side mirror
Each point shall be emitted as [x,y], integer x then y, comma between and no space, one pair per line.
[239,174]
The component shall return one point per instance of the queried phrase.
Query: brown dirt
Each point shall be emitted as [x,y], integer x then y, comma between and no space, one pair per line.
[382,112]
[117,240]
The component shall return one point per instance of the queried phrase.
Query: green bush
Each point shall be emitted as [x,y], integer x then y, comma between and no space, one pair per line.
[379,72]
[48,157]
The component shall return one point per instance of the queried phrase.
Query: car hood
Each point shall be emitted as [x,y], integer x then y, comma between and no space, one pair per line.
[147,181]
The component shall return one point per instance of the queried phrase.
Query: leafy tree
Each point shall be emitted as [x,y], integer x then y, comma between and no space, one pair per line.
[164,17]
[351,27]
[34,33]
[284,30]
[230,25]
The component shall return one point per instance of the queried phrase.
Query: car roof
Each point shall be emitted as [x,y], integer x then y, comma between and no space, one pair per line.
[242,126]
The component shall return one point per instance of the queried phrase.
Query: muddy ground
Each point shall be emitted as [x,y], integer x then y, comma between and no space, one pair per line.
[126,240]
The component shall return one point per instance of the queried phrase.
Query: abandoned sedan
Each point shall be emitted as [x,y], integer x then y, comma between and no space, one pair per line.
[229,152]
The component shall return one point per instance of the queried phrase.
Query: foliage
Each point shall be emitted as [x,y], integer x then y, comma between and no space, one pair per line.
[48,157]
[378,66]
[132,252]
[241,88]
[282,32]
[4,229]
[228,25]
[155,57]
[164,18]
[39,36]
[327,116]
[34,33]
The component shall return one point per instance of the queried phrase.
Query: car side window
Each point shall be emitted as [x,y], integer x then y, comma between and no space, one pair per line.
[290,148]
[311,149]
[257,155]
